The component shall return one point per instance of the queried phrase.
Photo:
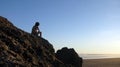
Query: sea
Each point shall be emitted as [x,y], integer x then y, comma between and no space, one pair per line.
[99,56]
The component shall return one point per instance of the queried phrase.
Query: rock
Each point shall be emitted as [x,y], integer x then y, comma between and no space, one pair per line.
[21,49]
[69,57]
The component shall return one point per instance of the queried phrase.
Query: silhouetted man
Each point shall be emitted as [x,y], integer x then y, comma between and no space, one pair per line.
[35,30]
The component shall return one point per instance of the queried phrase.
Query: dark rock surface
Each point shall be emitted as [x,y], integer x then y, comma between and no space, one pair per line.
[69,57]
[21,49]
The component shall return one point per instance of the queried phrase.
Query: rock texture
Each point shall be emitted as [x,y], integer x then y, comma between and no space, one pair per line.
[69,57]
[21,49]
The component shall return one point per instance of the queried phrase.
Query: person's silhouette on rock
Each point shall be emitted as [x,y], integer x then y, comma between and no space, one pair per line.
[35,30]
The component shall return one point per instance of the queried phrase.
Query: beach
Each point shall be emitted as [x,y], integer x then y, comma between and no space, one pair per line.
[109,62]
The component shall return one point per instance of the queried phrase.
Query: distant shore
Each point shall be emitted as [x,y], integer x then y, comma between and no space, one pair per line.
[108,62]
[99,56]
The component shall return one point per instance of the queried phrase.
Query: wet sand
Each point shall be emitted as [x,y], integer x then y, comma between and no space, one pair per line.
[112,62]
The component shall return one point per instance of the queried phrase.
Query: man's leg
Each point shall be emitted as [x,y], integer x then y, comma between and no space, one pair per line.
[40,34]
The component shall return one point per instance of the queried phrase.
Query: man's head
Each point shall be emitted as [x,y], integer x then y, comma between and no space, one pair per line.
[37,24]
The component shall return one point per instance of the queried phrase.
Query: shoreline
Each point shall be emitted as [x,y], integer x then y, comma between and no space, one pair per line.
[99,56]
[105,62]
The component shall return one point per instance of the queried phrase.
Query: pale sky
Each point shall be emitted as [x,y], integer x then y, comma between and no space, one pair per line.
[88,26]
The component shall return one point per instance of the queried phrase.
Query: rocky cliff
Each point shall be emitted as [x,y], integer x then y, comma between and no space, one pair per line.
[21,49]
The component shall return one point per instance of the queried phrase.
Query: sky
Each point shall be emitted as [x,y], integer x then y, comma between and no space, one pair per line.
[88,26]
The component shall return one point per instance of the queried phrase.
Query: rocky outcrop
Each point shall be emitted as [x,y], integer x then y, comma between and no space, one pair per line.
[21,49]
[69,57]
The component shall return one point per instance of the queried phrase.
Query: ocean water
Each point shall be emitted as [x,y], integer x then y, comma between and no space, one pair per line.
[99,56]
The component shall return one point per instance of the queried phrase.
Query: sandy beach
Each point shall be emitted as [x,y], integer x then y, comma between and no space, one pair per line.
[112,62]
